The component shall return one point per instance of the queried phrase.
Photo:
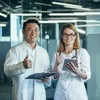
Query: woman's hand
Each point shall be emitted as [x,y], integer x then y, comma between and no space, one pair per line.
[72,67]
[76,70]
[58,60]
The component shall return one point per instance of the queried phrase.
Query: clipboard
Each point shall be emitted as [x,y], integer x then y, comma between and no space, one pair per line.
[39,75]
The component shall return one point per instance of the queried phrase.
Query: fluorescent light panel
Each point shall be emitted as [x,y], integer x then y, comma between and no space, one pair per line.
[23,14]
[88,25]
[88,9]
[71,6]
[2,25]
[66,14]
[66,4]
[3,15]
[89,21]
[75,14]
[58,21]
[81,31]
[68,21]
[40,11]
[4,10]
[88,13]
[19,6]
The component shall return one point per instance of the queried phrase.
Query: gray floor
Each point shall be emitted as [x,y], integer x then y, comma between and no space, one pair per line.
[5,91]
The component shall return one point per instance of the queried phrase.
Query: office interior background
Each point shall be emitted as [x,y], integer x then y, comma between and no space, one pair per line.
[52,14]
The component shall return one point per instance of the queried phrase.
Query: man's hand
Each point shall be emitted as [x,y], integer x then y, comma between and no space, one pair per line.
[27,63]
[45,79]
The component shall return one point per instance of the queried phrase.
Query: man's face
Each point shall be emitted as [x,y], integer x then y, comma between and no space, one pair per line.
[31,33]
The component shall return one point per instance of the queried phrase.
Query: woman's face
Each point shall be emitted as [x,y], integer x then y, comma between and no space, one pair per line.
[68,37]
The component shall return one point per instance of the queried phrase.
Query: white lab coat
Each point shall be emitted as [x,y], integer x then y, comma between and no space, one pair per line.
[69,85]
[26,89]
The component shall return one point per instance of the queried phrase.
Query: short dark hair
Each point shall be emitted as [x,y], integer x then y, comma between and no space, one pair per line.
[30,21]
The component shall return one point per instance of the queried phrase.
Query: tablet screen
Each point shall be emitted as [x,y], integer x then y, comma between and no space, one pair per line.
[70,60]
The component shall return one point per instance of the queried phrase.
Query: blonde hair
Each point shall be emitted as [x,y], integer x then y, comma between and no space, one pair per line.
[76,45]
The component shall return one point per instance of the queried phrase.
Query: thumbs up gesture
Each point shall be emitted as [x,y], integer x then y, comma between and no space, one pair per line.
[27,63]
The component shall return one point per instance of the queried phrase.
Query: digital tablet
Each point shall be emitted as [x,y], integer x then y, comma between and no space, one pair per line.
[40,75]
[70,60]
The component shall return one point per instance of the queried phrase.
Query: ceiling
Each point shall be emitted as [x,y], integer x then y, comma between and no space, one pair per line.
[45,7]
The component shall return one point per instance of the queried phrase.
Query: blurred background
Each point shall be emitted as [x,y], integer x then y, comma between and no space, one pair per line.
[52,14]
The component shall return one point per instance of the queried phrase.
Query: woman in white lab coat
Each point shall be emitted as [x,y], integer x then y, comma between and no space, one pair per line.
[26,59]
[71,78]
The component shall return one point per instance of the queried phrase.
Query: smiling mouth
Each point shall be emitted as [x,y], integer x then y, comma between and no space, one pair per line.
[34,36]
[68,41]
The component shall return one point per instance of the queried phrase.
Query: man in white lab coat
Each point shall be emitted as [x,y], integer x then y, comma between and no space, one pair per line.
[26,59]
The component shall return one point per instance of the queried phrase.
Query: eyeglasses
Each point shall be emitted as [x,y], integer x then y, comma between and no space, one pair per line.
[70,35]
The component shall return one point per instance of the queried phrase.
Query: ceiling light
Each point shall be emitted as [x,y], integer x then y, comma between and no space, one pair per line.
[57,21]
[89,21]
[19,6]
[4,10]
[3,15]
[80,8]
[81,31]
[88,13]
[75,14]
[68,21]
[47,37]
[2,25]
[96,0]
[66,14]
[88,25]
[40,11]
[66,4]
[24,14]
[62,18]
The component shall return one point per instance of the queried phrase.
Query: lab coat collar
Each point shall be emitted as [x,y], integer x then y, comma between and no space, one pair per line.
[27,48]
[28,45]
